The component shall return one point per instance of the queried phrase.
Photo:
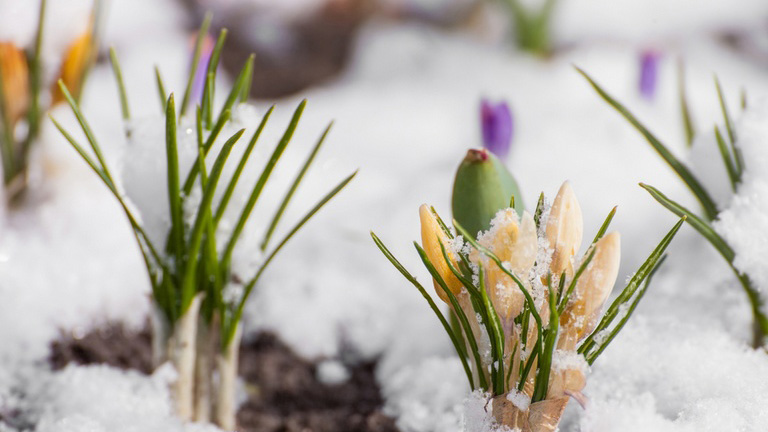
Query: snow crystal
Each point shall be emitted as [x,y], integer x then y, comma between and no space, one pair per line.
[332,372]
[521,400]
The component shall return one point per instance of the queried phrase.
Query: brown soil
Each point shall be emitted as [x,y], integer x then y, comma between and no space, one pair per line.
[284,394]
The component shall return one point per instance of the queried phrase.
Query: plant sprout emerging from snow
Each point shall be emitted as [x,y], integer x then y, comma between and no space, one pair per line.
[532,26]
[734,163]
[199,295]
[21,87]
[528,311]
[497,127]
[649,71]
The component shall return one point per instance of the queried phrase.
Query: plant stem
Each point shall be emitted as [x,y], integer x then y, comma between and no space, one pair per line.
[182,350]
[206,333]
[226,362]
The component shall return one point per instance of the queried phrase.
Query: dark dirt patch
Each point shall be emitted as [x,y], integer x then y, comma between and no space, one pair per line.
[284,394]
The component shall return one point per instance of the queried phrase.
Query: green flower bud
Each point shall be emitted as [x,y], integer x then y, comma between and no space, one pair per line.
[483,186]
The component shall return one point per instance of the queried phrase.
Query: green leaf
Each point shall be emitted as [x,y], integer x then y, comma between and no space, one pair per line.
[459,312]
[733,176]
[241,166]
[710,209]
[259,186]
[456,343]
[292,190]
[160,88]
[605,225]
[174,189]
[249,286]
[724,108]
[120,84]
[496,335]
[690,131]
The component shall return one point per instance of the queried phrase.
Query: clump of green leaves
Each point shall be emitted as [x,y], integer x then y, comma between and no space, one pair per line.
[733,160]
[532,26]
[199,297]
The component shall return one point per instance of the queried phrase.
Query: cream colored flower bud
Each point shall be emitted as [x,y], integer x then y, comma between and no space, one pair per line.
[431,237]
[565,227]
[15,81]
[76,61]
[593,287]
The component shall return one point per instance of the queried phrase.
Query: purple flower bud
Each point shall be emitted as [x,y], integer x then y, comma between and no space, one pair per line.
[198,85]
[649,68]
[496,120]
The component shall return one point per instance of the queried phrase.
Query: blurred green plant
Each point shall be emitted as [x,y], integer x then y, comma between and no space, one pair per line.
[21,88]
[519,295]
[200,298]
[733,160]
[532,27]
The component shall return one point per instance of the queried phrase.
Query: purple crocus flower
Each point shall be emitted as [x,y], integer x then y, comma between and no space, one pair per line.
[496,120]
[649,68]
[202,68]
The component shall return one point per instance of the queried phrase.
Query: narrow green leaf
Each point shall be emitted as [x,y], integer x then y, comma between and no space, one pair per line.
[160,87]
[241,166]
[496,334]
[458,311]
[292,190]
[733,176]
[194,170]
[690,130]
[550,343]
[710,209]
[120,84]
[605,225]
[209,91]
[174,189]
[256,192]
[724,108]
[432,305]
[249,286]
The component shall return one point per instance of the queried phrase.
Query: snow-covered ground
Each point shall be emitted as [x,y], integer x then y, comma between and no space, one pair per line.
[406,111]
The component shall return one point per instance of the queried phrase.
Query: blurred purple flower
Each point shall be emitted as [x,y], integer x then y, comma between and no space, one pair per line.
[496,120]
[649,68]
[202,68]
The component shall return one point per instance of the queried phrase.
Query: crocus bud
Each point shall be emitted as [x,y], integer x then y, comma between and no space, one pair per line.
[496,122]
[516,246]
[14,74]
[431,237]
[593,288]
[565,227]
[76,62]
[483,186]
[649,68]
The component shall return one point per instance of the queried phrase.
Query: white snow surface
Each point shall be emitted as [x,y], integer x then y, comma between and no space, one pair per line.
[406,111]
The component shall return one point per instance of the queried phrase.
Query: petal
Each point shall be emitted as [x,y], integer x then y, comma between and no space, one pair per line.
[431,237]
[564,230]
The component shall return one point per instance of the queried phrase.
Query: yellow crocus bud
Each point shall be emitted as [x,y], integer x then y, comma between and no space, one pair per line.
[76,62]
[15,80]
[565,227]
[516,246]
[592,289]
[431,237]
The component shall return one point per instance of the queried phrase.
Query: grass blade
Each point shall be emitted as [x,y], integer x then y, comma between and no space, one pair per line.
[724,108]
[733,175]
[160,87]
[126,112]
[685,111]
[294,186]
[710,209]
[428,298]
[174,189]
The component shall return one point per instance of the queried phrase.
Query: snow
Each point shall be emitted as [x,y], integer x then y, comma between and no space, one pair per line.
[332,372]
[405,113]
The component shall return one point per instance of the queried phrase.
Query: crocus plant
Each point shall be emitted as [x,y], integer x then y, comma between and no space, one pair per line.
[198,295]
[21,101]
[528,308]
[734,163]
[532,25]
